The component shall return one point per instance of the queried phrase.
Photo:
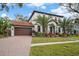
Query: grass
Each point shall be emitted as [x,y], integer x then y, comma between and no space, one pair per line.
[68,49]
[53,39]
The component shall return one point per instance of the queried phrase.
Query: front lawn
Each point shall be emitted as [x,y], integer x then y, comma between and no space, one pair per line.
[69,49]
[53,39]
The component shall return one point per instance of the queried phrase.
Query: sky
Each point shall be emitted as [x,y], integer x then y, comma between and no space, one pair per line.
[28,8]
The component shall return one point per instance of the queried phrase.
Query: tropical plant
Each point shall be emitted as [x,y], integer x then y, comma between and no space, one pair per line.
[43,21]
[5,24]
[65,24]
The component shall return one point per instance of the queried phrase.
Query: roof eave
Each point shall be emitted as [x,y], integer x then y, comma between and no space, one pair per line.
[43,13]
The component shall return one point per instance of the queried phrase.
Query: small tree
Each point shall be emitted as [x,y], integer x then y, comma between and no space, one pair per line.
[5,24]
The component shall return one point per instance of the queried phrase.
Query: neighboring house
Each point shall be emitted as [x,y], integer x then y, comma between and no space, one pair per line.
[38,27]
[21,28]
[76,29]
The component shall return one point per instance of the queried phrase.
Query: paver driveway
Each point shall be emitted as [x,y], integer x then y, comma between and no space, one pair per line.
[15,46]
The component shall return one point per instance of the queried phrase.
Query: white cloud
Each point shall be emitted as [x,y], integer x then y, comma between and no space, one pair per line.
[43,7]
[3,15]
[29,14]
[61,11]
[36,4]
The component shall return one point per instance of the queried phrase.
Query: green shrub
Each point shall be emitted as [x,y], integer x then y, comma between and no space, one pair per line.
[39,34]
[1,36]
[74,35]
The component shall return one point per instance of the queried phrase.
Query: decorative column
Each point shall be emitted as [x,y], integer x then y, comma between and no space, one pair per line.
[48,29]
[41,29]
[61,30]
[12,31]
[36,28]
[55,29]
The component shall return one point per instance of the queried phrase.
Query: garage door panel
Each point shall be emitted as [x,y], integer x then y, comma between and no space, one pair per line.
[23,31]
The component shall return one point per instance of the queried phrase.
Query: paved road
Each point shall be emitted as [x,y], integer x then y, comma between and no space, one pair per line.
[15,46]
[42,44]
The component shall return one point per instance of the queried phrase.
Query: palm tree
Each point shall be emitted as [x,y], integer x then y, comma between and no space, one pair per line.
[43,21]
[65,24]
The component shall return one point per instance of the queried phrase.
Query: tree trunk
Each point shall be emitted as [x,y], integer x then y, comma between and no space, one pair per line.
[44,31]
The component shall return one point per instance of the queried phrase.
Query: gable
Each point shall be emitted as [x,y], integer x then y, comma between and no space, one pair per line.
[36,13]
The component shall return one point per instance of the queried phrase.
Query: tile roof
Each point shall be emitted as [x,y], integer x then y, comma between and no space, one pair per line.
[21,23]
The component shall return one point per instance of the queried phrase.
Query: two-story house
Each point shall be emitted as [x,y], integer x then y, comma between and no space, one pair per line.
[38,27]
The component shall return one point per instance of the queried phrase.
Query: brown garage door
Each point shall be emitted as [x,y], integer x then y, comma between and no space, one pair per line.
[23,31]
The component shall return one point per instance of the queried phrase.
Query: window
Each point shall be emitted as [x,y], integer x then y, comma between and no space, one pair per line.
[74,31]
[50,29]
[38,28]
[75,21]
[59,29]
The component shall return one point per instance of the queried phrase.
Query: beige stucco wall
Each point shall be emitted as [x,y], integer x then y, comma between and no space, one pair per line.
[35,25]
[12,30]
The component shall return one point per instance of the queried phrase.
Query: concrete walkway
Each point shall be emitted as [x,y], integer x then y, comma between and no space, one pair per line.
[50,43]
